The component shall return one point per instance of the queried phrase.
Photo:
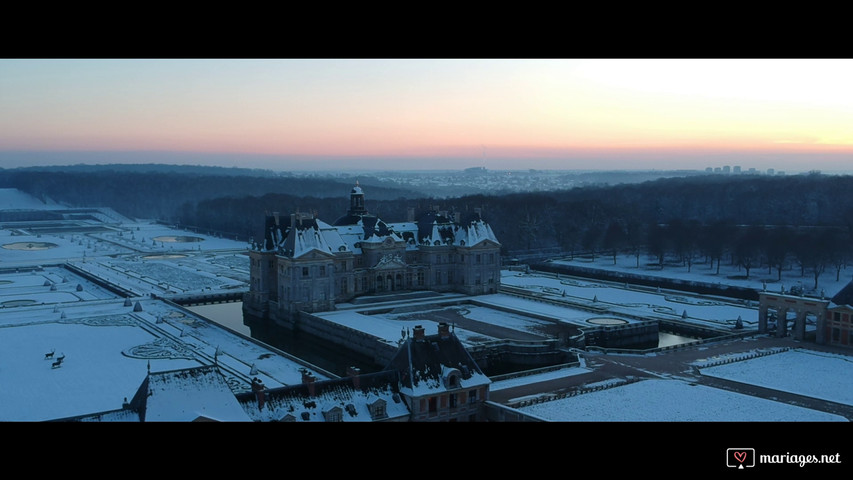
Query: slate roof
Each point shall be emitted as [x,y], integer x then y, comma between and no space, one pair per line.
[348,232]
[426,364]
[191,394]
[314,403]
[844,297]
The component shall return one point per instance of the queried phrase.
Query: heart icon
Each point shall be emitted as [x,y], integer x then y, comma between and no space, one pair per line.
[740,456]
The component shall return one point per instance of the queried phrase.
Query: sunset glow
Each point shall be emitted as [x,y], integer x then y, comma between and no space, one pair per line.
[434,113]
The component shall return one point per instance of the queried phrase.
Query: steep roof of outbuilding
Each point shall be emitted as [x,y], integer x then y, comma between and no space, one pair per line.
[844,297]
[187,395]
[426,364]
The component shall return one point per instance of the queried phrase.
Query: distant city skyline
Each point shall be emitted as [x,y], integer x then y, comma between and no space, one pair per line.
[419,114]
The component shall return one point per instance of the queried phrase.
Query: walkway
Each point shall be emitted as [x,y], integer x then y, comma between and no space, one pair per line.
[677,364]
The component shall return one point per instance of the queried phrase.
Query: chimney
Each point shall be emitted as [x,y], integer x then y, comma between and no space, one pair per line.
[258,388]
[418,333]
[308,379]
[443,330]
[354,373]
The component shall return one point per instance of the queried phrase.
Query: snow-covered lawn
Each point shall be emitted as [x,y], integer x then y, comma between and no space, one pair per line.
[759,278]
[671,401]
[805,372]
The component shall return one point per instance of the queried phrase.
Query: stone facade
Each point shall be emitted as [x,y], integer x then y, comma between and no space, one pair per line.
[307,265]
[832,318]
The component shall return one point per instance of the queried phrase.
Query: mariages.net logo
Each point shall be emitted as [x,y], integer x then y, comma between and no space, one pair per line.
[742,458]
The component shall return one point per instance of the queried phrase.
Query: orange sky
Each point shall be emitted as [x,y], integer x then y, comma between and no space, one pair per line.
[552,113]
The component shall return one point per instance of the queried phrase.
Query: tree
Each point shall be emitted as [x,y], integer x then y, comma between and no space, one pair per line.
[592,239]
[776,247]
[714,240]
[747,248]
[810,250]
[636,239]
[615,237]
[657,242]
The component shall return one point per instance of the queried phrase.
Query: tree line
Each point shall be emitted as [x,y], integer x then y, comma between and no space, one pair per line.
[798,221]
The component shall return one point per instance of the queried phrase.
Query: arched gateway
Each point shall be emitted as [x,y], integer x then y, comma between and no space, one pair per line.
[780,306]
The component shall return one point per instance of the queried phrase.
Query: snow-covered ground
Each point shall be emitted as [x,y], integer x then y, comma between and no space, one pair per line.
[759,278]
[801,371]
[805,372]
[671,401]
[617,298]
[108,347]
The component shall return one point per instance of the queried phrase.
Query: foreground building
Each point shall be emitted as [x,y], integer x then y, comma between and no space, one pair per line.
[438,378]
[307,265]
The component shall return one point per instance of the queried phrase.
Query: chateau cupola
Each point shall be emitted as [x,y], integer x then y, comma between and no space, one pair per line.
[356,201]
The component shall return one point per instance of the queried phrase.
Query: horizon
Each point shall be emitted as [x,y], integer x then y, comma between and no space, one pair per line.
[429,114]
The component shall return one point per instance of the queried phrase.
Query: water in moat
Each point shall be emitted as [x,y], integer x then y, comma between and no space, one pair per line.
[314,350]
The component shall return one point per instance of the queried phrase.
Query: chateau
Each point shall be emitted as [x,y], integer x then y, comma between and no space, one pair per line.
[307,265]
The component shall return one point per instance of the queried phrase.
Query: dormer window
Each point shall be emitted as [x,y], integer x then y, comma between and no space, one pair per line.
[335,414]
[377,409]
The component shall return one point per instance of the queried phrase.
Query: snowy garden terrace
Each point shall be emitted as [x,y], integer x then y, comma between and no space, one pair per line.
[550,294]
[198,274]
[136,240]
[696,395]
[47,285]
[108,346]
[760,279]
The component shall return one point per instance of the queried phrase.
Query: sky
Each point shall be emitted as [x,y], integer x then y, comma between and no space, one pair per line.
[415,114]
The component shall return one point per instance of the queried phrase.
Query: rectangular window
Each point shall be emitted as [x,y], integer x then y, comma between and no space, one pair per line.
[433,404]
[477,259]
[304,272]
[322,270]
[452,400]
[438,278]
[472,396]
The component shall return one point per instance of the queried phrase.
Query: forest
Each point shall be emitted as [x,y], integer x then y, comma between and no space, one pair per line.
[754,221]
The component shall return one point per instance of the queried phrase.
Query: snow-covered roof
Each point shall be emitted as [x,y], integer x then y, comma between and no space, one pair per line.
[372,397]
[474,233]
[425,363]
[188,395]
